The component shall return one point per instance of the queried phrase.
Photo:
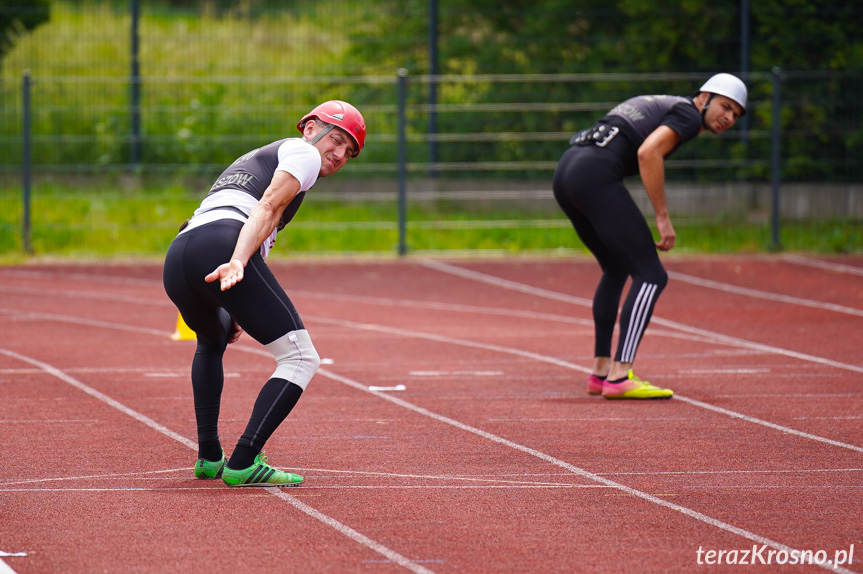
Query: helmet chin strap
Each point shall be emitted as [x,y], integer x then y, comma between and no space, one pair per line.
[704,111]
[322,133]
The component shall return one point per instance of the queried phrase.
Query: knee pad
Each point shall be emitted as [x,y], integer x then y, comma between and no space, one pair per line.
[296,357]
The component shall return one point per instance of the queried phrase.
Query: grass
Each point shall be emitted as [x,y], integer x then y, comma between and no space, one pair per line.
[70,222]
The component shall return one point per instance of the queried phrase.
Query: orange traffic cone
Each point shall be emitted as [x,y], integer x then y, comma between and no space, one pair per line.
[183,332]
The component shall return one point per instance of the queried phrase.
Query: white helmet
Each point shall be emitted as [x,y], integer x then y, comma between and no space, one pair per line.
[729,86]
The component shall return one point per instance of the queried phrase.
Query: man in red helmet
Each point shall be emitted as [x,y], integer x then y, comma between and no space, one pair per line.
[215,273]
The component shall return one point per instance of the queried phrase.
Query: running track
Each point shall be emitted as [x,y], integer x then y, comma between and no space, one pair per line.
[492,460]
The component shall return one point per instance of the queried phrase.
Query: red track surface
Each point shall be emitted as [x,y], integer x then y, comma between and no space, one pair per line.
[494,459]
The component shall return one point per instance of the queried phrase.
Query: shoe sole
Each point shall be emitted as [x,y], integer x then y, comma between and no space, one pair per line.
[613,398]
[263,485]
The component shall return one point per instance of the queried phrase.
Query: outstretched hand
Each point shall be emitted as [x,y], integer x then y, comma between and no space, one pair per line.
[229,274]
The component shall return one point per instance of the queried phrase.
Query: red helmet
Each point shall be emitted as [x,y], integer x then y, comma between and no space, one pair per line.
[343,115]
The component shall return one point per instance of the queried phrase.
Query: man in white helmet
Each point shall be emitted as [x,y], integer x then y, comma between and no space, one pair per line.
[635,137]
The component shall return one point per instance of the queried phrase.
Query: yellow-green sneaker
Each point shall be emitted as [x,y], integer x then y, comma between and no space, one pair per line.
[634,388]
[260,474]
[207,469]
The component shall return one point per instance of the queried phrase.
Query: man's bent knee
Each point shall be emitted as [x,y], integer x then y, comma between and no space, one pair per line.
[296,358]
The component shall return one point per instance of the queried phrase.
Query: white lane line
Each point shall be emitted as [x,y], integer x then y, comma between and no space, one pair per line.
[546,457]
[441,477]
[767,424]
[447,340]
[574,469]
[102,397]
[559,363]
[46,421]
[723,371]
[113,489]
[828,265]
[137,475]
[350,532]
[755,294]
[755,471]
[734,341]
[497,281]
[18,314]
[450,307]
[5,568]
[440,338]
[307,488]
[332,522]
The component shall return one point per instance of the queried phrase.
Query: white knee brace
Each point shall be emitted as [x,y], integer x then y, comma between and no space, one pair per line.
[296,358]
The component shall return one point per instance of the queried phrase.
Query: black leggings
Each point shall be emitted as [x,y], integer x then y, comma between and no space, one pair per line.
[588,186]
[257,303]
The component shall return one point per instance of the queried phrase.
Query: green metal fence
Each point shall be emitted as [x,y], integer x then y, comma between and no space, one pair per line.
[455,163]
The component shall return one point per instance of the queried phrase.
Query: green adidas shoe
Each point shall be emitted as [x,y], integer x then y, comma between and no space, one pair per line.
[207,469]
[260,474]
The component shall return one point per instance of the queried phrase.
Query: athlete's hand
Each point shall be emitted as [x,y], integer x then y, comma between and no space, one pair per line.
[229,274]
[666,233]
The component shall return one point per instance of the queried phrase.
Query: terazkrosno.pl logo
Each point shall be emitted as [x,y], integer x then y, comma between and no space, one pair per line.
[766,555]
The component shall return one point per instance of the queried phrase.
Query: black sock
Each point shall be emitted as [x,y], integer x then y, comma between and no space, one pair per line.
[210,450]
[243,457]
[274,403]
[617,381]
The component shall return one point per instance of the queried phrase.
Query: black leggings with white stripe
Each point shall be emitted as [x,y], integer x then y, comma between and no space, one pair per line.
[588,186]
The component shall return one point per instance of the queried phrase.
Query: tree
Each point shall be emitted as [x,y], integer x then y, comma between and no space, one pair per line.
[18,17]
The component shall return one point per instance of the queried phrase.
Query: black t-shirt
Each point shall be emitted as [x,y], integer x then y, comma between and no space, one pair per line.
[639,117]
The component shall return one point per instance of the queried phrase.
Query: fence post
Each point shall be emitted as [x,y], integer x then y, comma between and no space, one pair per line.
[433,70]
[402,160]
[775,156]
[135,72]
[26,163]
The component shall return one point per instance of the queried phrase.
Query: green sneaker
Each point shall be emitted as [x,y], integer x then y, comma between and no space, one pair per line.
[260,474]
[207,469]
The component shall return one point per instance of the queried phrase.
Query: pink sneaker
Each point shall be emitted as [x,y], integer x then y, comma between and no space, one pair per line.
[594,385]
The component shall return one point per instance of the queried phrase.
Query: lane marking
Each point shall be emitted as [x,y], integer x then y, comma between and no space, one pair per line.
[47,421]
[766,295]
[469,478]
[564,364]
[101,397]
[591,419]
[455,373]
[441,338]
[332,522]
[82,321]
[572,468]
[712,335]
[317,487]
[350,532]
[734,341]
[5,568]
[767,424]
[112,476]
[362,539]
[828,265]
[723,371]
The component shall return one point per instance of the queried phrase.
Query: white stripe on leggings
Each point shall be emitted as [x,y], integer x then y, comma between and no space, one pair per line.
[638,321]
